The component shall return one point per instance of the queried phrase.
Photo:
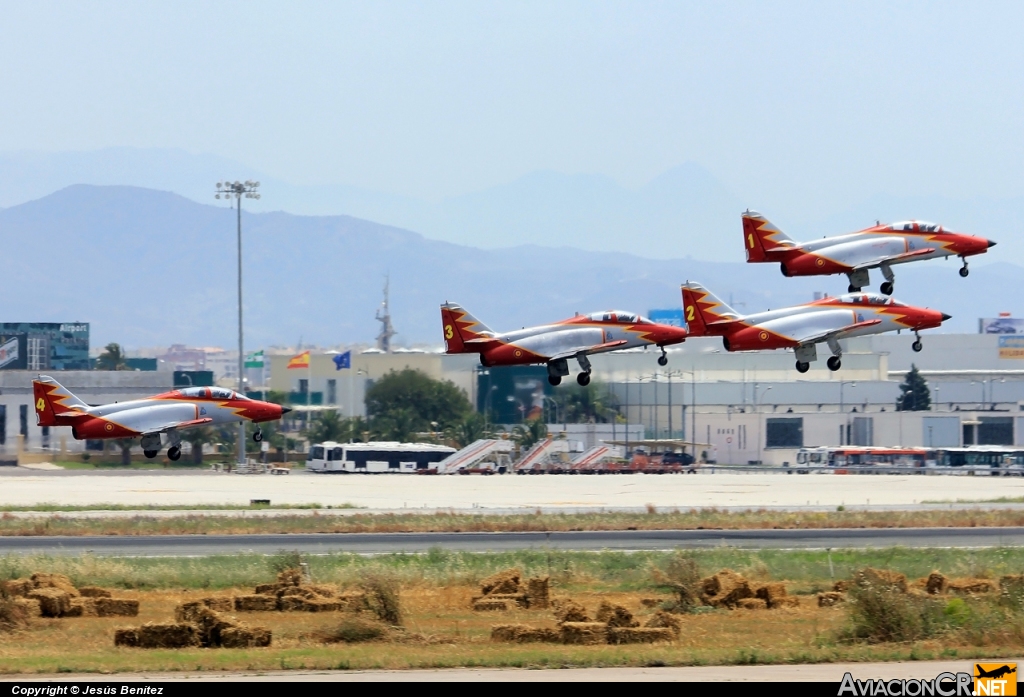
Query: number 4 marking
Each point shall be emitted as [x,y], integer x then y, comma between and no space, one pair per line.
[40,405]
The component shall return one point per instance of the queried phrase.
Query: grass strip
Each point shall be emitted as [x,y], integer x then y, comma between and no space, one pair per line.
[69,508]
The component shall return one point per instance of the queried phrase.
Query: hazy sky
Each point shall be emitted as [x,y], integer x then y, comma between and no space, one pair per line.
[798,104]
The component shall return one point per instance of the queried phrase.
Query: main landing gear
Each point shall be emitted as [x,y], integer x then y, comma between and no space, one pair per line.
[174,453]
[890,280]
[663,358]
[150,453]
[834,363]
[858,279]
[802,366]
[583,379]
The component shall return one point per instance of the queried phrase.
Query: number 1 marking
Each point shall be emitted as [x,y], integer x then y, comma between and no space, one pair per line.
[750,240]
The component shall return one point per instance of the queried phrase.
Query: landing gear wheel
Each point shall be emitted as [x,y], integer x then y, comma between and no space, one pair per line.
[150,453]
[258,436]
[886,288]
[663,360]
[917,346]
[852,289]
[174,453]
[802,366]
[964,271]
[834,363]
[583,379]
[554,379]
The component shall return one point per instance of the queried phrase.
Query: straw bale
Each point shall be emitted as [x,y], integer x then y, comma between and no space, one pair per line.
[936,583]
[538,592]
[841,586]
[210,624]
[190,611]
[351,601]
[584,633]
[255,603]
[322,605]
[724,589]
[771,592]
[19,587]
[506,581]
[116,607]
[488,605]
[830,598]
[94,592]
[168,636]
[297,591]
[752,604]
[220,604]
[53,602]
[639,635]
[615,615]
[568,610]
[126,636]
[323,590]
[290,577]
[267,589]
[651,602]
[41,580]
[665,620]
[524,633]
[788,601]
[881,578]
[971,586]
[31,606]
[82,607]
[519,599]
[245,637]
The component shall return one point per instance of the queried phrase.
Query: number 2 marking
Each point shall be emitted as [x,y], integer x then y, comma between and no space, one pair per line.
[40,405]
[689,313]
[448,333]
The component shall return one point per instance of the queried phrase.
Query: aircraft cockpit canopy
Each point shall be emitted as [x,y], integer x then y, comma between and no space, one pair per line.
[194,392]
[209,393]
[619,317]
[915,226]
[868,299]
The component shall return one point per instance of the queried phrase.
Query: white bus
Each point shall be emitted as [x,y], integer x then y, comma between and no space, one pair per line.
[375,458]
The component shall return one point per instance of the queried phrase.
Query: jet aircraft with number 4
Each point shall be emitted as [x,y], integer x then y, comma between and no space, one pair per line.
[163,414]
[802,327]
[853,254]
[554,344]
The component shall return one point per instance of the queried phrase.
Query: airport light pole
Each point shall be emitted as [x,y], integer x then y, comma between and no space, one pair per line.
[238,191]
[757,413]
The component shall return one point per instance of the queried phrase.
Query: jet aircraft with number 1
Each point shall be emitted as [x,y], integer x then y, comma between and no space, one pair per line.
[853,254]
[554,344]
[802,327]
[166,414]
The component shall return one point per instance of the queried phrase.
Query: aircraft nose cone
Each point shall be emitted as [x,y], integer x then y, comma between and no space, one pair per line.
[991,243]
[284,410]
[945,316]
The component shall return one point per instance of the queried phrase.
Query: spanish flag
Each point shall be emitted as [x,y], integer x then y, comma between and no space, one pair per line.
[300,361]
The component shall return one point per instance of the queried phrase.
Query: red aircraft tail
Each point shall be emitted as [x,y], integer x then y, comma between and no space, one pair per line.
[53,402]
[460,328]
[701,309]
[762,240]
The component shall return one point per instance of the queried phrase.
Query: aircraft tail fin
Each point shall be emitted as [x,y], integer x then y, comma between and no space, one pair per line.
[460,328]
[53,400]
[701,308]
[762,240]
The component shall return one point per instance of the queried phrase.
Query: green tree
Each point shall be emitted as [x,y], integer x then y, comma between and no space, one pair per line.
[529,433]
[914,392]
[112,358]
[471,428]
[594,403]
[410,401]
[327,425]
[399,424]
[197,437]
[126,445]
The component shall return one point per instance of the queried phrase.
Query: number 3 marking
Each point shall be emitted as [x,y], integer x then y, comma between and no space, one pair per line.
[40,405]
[689,313]
[448,334]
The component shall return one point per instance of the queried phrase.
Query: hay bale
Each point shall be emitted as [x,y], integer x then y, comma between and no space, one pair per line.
[210,624]
[267,589]
[59,581]
[752,604]
[841,587]
[615,615]
[116,607]
[724,589]
[770,592]
[255,603]
[830,598]
[290,577]
[297,591]
[82,607]
[489,605]
[167,636]
[935,584]
[94,592]
[651,602]
[639,635]
[18,588]
[788,601]
[568,610]
[882,579]
[583,633]
[53,602]
[665,620]
[351,601]
[219,604]
[31,606]
[126,636]
[971,586]
[323,590]
[244,637]
[506,581]
[518,599]
[538,592]
[190,611]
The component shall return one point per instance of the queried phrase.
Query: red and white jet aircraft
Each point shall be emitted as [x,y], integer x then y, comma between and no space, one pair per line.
[166,413]
[802,327]
[877,247]
[554,344]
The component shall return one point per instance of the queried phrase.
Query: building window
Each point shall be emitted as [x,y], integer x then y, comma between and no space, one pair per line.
[784,433]
[995,430]
[863,431]
[23,418]
[332,391]
[37,353]
[3,424]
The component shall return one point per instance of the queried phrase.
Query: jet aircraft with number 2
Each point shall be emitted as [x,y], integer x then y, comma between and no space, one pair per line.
[554,344]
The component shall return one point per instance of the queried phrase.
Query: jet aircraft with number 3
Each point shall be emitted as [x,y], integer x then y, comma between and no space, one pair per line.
[802,327]
[853,254]
[166,414]
[554,344]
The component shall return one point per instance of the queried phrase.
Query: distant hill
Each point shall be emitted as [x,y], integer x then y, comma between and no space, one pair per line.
[149,267]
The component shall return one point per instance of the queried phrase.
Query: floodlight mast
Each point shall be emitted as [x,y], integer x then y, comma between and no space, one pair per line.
[236,191]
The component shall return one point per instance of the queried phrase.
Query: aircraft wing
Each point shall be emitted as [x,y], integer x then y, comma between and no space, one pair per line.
[177,424]
[898,257]
[838,333]
[573,352]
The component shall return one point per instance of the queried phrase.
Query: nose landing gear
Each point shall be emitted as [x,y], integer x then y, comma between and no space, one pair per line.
[258,436]
[663,358]
[917,345]
[964,271]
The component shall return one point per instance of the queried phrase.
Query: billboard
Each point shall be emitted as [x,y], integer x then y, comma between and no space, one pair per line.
[44,346]
[673,317]
[1001,325]
[11,351]
[1011,347]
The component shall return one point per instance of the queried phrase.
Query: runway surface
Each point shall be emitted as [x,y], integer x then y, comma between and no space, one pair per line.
[624,540]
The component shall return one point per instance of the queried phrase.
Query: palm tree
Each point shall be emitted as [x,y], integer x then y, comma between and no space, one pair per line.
[197,437]
[126,450]
[327,425]
[471,428]
[529,433]
[112,358]
[397,424]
